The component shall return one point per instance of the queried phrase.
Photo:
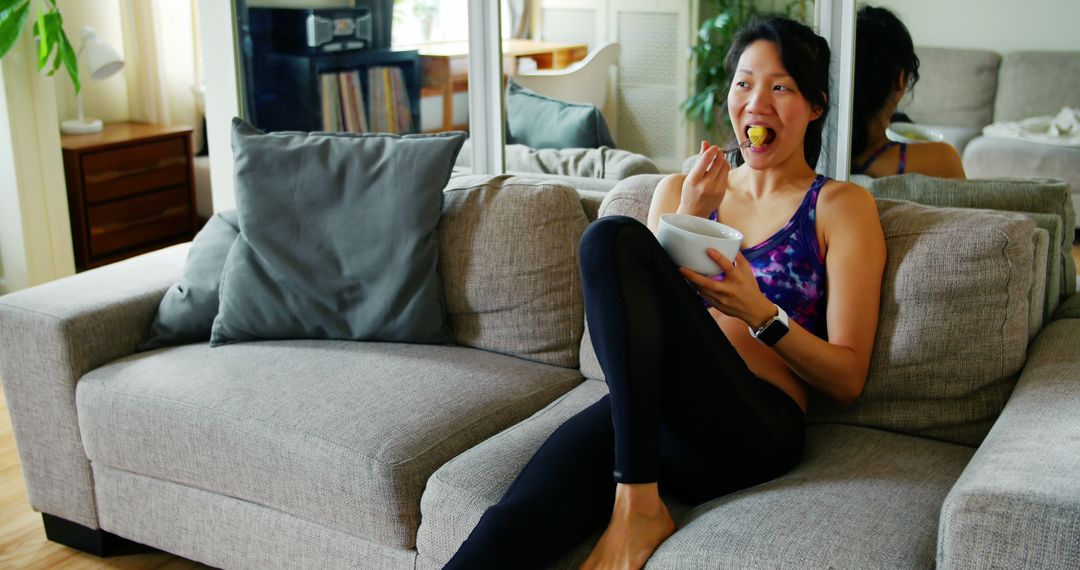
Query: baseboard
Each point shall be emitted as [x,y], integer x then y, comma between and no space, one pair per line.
[90,540]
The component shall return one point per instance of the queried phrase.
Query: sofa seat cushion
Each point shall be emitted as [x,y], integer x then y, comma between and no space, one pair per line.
[339,433]
[459,492]
[860,498]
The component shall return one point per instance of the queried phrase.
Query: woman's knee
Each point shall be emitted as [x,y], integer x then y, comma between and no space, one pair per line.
[604,236]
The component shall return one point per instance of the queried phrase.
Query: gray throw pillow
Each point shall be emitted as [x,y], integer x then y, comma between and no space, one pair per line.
[337,237]
[537,121]
[188,308]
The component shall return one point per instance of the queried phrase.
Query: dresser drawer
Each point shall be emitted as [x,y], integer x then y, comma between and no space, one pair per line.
[120,172]
[126,223]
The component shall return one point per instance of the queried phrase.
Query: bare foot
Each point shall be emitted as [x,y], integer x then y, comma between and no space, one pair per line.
[640,522]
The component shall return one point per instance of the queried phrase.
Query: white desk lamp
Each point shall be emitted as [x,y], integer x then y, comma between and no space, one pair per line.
[102,62]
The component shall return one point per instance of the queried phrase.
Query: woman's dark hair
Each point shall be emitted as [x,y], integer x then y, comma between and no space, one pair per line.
[805,56]
[883,50]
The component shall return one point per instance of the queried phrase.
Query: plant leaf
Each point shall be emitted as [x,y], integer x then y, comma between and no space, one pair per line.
[12,17]
[70,59]
[6,5]
[44,42]
[53,28]
[721,20]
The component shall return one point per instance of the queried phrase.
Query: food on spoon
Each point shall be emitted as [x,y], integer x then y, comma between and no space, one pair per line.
[757,135]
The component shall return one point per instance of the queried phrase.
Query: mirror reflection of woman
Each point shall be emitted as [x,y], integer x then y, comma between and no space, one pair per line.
[708,377]
[886,69]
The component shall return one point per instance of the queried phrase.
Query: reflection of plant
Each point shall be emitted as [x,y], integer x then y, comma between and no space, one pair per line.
[422,9]
[714,37]
[49,31]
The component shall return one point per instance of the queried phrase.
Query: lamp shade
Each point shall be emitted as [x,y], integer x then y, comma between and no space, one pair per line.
[101,62]
[100,59]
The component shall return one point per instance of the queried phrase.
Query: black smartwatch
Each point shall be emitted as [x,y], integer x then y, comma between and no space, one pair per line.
[773,330]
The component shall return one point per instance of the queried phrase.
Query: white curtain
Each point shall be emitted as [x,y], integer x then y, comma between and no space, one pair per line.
[162,62]
[519,17]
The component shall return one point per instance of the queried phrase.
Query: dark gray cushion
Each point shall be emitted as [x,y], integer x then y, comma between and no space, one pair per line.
[187,311]
[537,121]
[337,237]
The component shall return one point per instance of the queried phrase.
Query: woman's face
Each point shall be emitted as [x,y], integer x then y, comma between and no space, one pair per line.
[762,93]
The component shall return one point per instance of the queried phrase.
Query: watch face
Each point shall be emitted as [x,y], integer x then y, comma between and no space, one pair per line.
[773,332]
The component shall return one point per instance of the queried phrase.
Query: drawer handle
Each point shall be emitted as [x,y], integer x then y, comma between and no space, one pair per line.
[113,174]
[121,226]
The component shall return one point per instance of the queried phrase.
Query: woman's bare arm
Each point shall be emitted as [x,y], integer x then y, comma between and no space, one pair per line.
[854,263]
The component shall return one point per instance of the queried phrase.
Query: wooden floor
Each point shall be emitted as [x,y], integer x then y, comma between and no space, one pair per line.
[22,538]
[1076,256]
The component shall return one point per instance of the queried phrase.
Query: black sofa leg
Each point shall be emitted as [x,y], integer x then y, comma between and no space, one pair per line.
[92,541]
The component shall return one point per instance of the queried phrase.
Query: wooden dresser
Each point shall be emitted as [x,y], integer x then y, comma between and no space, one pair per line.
[131,189]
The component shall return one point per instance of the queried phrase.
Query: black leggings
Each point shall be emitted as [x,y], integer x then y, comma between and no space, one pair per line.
[683,410]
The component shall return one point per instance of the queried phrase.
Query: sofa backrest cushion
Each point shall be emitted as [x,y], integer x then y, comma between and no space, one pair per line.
[603,162]
[956,87]
[508,262]
[1035,83]
[953,330]
[1037,196]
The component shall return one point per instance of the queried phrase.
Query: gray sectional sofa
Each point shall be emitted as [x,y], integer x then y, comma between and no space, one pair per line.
[962,453]
[960,91]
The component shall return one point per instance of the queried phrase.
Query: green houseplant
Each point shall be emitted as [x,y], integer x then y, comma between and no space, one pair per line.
[52,42]
[714,37]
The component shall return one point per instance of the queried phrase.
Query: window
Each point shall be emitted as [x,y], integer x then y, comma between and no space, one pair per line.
[425,21]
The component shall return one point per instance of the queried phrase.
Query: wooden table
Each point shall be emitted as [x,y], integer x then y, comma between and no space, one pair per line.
[131,189]
[445,67]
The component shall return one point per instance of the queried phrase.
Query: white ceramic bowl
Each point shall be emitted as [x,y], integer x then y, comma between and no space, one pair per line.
[685,238]
[912,133]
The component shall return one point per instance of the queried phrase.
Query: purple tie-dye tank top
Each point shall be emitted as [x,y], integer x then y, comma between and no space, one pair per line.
[789,265]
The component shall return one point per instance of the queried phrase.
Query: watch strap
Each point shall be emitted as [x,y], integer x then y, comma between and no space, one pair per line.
[773,330]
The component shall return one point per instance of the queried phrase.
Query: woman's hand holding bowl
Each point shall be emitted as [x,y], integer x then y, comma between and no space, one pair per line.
[737,294]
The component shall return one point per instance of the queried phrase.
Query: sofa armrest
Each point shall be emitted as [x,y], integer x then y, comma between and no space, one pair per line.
[52,334]
[1017,503]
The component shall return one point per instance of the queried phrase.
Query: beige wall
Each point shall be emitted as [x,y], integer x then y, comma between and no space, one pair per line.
[999,25]
[108,99]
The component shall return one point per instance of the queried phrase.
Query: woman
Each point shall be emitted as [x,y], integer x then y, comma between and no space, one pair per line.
[698,406]
[886,68]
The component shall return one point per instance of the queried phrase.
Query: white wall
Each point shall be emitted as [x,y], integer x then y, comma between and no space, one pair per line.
[999,25]
[217,26]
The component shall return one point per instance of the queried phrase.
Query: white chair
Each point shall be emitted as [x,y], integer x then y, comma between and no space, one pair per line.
[590,80]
